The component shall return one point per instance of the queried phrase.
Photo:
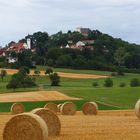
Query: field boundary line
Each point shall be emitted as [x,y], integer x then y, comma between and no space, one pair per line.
[108,104]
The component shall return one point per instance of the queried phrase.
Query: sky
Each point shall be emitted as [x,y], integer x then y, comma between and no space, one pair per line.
[119,18]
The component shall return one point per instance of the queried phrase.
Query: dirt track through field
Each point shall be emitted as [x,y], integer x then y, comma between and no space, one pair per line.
[62,74]
[34,96]
[107,125]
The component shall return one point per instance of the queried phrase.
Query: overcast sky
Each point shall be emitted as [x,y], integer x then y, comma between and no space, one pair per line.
[119,18]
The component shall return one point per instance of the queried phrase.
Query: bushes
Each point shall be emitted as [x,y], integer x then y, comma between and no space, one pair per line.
[113,74]
[134,82]
[122,84]
[21,80]
[108,82]
[55,79]
[37,72]
[24,70]
[95,84]
[49,71]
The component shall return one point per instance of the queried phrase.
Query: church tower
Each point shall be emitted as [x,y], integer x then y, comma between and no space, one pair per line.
[28,43]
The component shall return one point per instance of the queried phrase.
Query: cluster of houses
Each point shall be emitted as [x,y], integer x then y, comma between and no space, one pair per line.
[19,47]
[14,47]
[80,45]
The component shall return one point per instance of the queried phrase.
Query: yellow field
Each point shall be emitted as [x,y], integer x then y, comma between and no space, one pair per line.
[34,96]
[62,74]
[107,125]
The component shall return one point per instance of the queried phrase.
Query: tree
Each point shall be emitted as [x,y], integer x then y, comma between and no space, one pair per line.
[87,53]
[50,62]
[122,84]
[134,82]
[49,71]
[21,80]
[95,84]
[24,70]
[119,57]
[13,84]
[15,81]
[37,72]
[54,53]
[28,82]
[64,61]
[108,82]
[79,62]
[3,73]
[55,79]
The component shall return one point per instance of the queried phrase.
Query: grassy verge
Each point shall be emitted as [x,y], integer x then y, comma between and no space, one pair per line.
[5,107]
[121,97]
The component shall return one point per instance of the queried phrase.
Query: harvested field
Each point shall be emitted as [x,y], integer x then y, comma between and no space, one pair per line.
[62,74]
[34,96]
[107,125]
[81,76]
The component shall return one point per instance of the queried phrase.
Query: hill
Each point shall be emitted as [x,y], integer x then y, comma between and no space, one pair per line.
[96,50]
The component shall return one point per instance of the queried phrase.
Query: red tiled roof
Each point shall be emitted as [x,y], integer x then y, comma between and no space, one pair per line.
[2,50]
[16,47]
[88,41]
[81,47]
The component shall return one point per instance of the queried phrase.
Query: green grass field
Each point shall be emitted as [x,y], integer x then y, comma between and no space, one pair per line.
[5,107]
[120,97]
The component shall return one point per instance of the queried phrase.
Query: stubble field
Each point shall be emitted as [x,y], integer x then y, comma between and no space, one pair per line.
[107,125]
[34,96]
[62,74]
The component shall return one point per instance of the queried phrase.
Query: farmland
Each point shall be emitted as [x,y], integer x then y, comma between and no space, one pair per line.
[107,125]
[120,123]
[123,97]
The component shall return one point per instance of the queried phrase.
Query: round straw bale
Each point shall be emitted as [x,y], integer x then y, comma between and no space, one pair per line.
[17,108]
[51,119]
[68,108]
[137,109]
[58,107]
[52,107]
[25,126]
[90,108]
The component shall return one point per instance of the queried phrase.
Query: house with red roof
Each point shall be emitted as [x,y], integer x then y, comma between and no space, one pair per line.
[2,52]
[16,47]
[81,45]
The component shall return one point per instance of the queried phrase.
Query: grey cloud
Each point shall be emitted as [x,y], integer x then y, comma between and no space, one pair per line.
[116,17]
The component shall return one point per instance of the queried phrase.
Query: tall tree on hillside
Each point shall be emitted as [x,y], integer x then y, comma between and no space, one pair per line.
[119,57]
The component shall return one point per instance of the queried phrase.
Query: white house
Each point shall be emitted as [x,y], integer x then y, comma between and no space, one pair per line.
[80,43]
[67,46]
[12,60]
